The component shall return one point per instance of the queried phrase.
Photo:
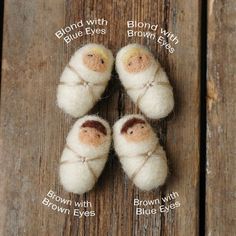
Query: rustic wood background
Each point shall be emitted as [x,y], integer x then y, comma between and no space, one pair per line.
[33,129]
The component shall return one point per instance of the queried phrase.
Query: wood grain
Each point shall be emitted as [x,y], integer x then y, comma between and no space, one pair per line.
[34,129]
[221,119]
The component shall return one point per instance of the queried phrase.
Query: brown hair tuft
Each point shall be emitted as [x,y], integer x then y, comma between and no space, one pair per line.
[130,123]
[96,125]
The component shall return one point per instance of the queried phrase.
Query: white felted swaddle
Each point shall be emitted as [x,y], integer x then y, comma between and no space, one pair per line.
[85,154]
[139,151]
[84,79]
[145,81]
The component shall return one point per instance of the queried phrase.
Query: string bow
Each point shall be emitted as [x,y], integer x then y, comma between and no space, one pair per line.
[145,87]
[87,84]
[82,159]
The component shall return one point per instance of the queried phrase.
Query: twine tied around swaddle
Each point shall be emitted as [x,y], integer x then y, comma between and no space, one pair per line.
[83,82]
[146,156]
[148,85]
[83,160]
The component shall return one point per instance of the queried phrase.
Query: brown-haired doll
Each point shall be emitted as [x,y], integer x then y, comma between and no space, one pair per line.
[139,151]
[85,154]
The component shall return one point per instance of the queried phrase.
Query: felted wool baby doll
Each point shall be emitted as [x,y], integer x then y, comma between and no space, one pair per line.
[84,79]
[139,151]
[85,154]
[145,81]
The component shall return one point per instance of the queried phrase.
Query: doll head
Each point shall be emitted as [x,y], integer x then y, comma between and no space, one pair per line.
[90,136]
[136,60]
[136,130]
[135,65]
[93,62]
[92,132]
[96,59]
[133,135]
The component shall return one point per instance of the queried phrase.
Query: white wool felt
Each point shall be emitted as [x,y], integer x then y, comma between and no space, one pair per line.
[80,176]
[148,172]
[149,89]
[80,87]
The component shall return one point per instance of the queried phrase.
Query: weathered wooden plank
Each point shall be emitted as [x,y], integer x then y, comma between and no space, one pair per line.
[30,124]
[34,129]
[221,113]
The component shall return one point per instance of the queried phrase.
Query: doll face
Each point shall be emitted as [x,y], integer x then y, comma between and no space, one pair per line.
[137,61]
[95,61]
[91,136]
[138,132]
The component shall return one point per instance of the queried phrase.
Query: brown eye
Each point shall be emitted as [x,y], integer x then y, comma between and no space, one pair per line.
[102,61]
[130,64]
[131,132]
[90,55]
[142,127]
[98,136]
[140,57]
[85,131]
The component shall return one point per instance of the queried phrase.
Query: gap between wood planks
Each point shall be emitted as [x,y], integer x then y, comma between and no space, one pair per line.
[1,36]
[203,117]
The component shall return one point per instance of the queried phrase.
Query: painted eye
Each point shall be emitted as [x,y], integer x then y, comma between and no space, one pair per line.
[98,135]
[131,132]
[130,64]
[85,131]
[90,55]
[142,127]
[102,61]
[140,57]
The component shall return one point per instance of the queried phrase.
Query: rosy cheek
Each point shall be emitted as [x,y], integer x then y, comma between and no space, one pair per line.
[102,140]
